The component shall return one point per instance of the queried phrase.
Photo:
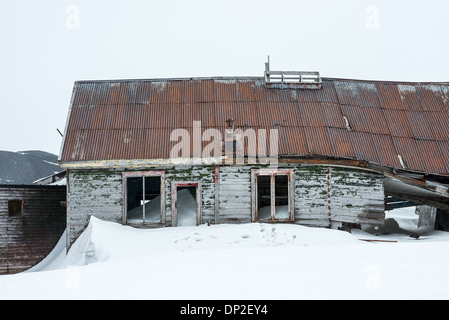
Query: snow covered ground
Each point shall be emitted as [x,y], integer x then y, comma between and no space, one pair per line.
[242,261]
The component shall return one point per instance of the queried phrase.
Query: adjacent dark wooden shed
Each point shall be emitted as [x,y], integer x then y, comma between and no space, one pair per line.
[32,220]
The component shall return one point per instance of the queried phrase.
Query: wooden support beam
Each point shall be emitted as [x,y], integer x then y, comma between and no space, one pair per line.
[434,202]
[403,204]
[376,240]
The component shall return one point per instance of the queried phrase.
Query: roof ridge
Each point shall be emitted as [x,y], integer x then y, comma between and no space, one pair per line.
[176,79]
[249,78]
[395,82]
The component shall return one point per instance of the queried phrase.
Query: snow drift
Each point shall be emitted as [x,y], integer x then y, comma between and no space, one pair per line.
[244,261]
[101,239]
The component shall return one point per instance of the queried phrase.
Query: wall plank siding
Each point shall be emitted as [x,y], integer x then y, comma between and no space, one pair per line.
[235,194]
[26,239]
[323,196]
[92,192]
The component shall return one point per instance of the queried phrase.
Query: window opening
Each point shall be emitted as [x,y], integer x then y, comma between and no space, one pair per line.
[281,196]
[264,197]
[144,199]
[272,198]
[15,208]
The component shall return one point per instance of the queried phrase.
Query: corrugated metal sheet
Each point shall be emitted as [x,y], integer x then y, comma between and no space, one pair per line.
[133,119]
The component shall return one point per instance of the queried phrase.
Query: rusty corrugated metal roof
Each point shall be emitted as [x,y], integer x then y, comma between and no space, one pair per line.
[362,120]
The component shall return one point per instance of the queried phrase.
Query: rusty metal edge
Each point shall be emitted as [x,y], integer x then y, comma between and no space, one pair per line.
[61,150]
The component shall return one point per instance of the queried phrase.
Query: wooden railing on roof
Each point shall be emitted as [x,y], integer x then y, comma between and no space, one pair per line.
[292,79]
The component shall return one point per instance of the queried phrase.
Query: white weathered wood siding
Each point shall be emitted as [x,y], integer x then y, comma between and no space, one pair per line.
[311,196]
[327,195]
[100,193]
[92,192]
[234,184]
[323,196]
[356,196]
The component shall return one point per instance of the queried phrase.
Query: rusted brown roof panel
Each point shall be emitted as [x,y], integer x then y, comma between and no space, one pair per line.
[432,163]
[348,93]
[432,98]
[357,117]
[443,146]
[389,96]
[362,120]
[420,126]
[364,146]
[333,116]
[297,144]
[398,123]
[318,141]
[311,114]
[343,146]
[386,150]
[439,124]
[369,95]
[410,99]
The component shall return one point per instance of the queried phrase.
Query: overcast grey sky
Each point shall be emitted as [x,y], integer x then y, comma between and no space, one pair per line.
[46,45]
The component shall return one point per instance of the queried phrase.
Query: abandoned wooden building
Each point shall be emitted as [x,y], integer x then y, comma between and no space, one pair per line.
[32,220]
[288,147]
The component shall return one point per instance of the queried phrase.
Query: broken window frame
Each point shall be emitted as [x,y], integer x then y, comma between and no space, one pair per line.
[142,174]
[18,213]
[174,200]
[255,173]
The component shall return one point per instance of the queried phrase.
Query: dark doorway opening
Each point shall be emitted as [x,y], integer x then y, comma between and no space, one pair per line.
[186,205]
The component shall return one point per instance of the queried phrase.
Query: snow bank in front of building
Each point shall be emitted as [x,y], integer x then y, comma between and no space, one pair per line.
[236,261]
[102,240]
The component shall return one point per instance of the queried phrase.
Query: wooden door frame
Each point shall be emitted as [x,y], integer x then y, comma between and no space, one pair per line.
[174,199]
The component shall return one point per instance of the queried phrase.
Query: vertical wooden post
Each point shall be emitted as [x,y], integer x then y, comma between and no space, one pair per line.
[273,196]
[329,195]
[143,198]
[217,197]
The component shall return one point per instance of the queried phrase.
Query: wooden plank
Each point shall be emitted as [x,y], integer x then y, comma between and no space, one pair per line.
[433,202]
[378,240]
